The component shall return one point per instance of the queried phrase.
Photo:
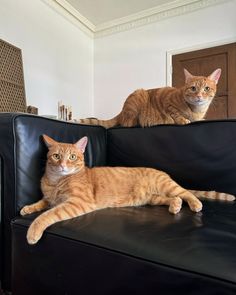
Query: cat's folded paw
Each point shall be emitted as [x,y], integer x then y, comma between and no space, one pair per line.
[34,234]
[182,121]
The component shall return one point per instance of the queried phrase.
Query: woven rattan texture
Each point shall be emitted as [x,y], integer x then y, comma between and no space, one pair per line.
[12,88]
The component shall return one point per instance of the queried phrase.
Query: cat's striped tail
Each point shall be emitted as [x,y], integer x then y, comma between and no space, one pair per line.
[105,123]
[213,195]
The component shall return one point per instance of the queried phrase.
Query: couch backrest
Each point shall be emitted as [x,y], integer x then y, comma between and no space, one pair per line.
[31,151]
[200,155]
[23,158]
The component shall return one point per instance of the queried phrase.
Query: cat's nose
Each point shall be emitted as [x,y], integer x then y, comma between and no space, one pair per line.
[63,166]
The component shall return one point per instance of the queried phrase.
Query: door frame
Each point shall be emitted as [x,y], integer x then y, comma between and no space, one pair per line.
[170,53]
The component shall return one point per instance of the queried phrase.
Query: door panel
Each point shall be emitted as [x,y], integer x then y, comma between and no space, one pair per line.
[204,62]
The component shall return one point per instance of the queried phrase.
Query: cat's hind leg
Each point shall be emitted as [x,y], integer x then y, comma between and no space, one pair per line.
[175,204]
[166,186]
[129,118]
[129,115]
[194,204]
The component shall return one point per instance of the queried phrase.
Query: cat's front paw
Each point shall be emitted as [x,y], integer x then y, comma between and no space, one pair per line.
[26,210]
[182,121]
[34,233]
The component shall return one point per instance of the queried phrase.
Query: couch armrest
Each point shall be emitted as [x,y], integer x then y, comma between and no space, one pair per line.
[23,157]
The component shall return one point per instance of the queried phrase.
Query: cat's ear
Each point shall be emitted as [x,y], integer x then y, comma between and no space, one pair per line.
[81,144]
[215,76]
[49,141]
[187,75]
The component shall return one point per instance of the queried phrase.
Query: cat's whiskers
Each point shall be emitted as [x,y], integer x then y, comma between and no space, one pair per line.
[198,106]
[53,175]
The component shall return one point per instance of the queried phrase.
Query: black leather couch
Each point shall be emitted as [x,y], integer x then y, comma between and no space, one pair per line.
[144,250]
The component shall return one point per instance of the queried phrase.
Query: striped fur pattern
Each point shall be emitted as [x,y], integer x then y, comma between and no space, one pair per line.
[167,105]
[71,189]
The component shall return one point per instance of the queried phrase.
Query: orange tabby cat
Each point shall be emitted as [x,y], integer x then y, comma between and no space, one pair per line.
[167,105]
[70,189]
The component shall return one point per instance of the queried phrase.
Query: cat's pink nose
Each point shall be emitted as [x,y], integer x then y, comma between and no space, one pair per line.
[63,166]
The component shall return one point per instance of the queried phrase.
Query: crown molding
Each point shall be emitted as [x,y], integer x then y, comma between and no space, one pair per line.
[63,8]
[70,9]
[145,14]
[158,13]
[155,14]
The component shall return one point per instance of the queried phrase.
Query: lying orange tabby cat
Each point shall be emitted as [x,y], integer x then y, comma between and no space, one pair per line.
[165,105]
[70,189]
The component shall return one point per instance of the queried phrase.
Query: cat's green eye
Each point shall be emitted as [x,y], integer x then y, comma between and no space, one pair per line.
[73,157]
[207,88]
[193,88]
[56,156]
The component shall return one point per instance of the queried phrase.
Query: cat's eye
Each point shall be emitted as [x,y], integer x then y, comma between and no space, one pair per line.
[207,88]
[56,156]
[73,157]
[193,88]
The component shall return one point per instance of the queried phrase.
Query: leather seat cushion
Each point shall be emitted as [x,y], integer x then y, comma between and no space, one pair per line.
[138,246]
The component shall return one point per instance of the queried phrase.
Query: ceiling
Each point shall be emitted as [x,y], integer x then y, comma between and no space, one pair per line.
[102,11]
[103,17]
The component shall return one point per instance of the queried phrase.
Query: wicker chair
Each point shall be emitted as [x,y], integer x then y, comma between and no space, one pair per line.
[12,88]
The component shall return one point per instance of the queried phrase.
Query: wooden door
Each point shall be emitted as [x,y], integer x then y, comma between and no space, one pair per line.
[204,62]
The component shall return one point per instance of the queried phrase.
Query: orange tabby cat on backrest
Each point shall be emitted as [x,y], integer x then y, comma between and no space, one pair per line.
[71,189]
[167,105]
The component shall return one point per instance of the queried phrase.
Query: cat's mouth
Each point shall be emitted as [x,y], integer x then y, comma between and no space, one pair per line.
[66,171]
[197,102]
[63,170]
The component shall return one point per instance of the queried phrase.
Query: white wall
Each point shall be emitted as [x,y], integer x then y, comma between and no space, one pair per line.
[137,58]
[61,62]
[57,56]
